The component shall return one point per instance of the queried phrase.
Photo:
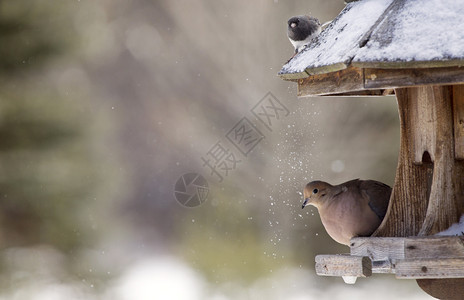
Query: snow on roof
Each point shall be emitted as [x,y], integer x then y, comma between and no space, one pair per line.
[385,33]
[421,30]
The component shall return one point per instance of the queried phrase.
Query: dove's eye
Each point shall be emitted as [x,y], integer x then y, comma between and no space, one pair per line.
[315,191]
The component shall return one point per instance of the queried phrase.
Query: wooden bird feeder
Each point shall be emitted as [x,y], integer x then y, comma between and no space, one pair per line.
[413,49]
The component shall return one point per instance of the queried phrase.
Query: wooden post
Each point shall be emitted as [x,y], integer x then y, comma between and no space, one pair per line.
[422,204]
[408,202]
[444,208]
[458,111]
[428,194]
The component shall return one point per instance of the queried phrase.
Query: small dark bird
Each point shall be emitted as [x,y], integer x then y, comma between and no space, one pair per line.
[354,208]
[301,30]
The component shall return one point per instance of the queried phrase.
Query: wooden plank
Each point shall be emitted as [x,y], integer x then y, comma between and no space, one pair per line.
[408,202]
[378,249]
[430,268]
[355,80]
[396,78]
[458,123]
[410,258]
[444,208]
[343,265]
[415,64]
[348,80]
[434,247]
[293,76]
[365,93]
[327,68]
[423,122]
[458,116]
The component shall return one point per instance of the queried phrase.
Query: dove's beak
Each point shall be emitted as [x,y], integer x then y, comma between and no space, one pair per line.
[305,203]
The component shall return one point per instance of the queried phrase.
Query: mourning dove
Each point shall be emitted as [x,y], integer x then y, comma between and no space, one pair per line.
[354,208]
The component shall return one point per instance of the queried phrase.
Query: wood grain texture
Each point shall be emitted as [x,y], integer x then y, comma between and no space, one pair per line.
[347,80]
[430,268]
[397,78]
[443,207]
[408,202]
[423,122]
[408,255]
[458,117]
[378,248]
[434,247]
[343,265]
[424,203]
[356,80]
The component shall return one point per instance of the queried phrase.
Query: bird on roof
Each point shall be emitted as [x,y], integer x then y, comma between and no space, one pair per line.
[354,208]
[301,30]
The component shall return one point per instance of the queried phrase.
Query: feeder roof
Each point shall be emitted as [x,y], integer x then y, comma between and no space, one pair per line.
[390,34]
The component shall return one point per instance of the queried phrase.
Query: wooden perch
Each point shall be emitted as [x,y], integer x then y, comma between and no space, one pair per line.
[428,194]
[430,268]
[396,248]
[343,265]
[407,258]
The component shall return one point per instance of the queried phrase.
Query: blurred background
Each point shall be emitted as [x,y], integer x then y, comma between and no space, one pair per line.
[104,105]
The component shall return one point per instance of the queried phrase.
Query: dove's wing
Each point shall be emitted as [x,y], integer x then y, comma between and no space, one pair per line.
[379,196]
